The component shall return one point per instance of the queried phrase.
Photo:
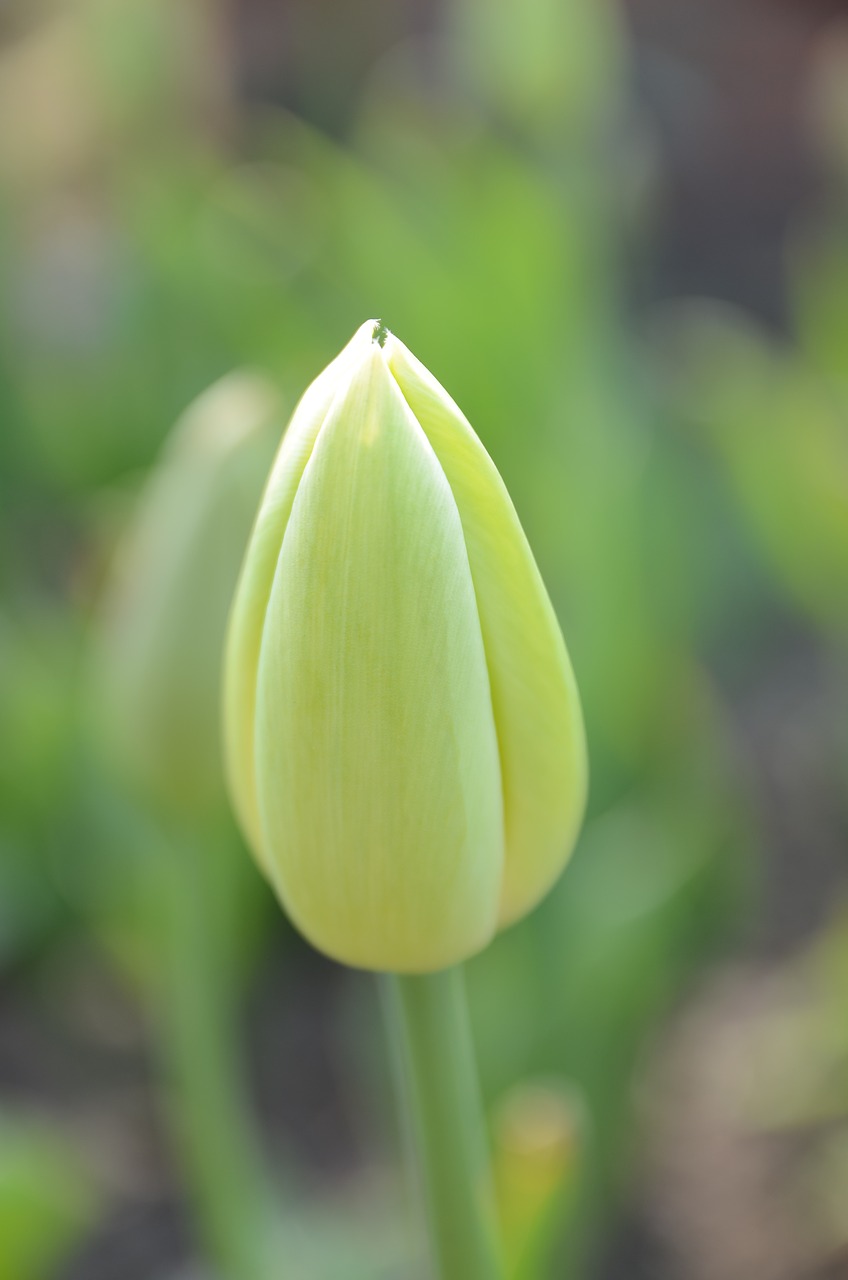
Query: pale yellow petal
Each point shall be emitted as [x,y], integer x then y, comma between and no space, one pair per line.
[536,705]
[376,754]
[247,616]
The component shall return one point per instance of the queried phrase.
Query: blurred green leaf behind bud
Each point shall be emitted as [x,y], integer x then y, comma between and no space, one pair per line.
[748,395]
[553,67]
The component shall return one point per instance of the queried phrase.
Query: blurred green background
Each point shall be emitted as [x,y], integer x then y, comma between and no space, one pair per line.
[618,235]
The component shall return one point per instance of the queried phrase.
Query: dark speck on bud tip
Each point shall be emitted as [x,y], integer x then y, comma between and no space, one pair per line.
[380,333]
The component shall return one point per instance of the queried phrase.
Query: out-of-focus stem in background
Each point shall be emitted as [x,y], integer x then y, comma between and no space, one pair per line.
[226,1175]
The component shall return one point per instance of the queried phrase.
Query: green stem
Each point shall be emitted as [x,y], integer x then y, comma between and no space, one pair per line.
[428,1017]
[225,1172]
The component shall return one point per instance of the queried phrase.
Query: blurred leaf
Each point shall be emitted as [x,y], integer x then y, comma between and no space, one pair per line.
[38,710]
[782,436]
[818,281]
[46,1201]
[549,65]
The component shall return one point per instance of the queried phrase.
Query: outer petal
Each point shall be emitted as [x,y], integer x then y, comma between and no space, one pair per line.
[537,709]
[250,604]
[376,754]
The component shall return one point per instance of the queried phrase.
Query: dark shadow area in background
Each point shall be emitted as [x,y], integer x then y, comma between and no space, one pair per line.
[726,84]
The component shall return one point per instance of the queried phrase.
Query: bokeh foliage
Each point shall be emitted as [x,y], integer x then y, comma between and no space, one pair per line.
[159,230]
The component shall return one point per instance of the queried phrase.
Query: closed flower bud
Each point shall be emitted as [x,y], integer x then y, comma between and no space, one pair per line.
[160,641]
[404,739]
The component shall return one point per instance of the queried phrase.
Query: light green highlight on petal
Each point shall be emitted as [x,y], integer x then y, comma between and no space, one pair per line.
[376,758]
[535,700]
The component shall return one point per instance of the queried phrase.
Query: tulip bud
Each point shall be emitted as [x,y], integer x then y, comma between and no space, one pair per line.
[160,641]
[404,740]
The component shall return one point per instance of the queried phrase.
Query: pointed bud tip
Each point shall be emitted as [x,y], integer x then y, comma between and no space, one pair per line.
[380,333]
